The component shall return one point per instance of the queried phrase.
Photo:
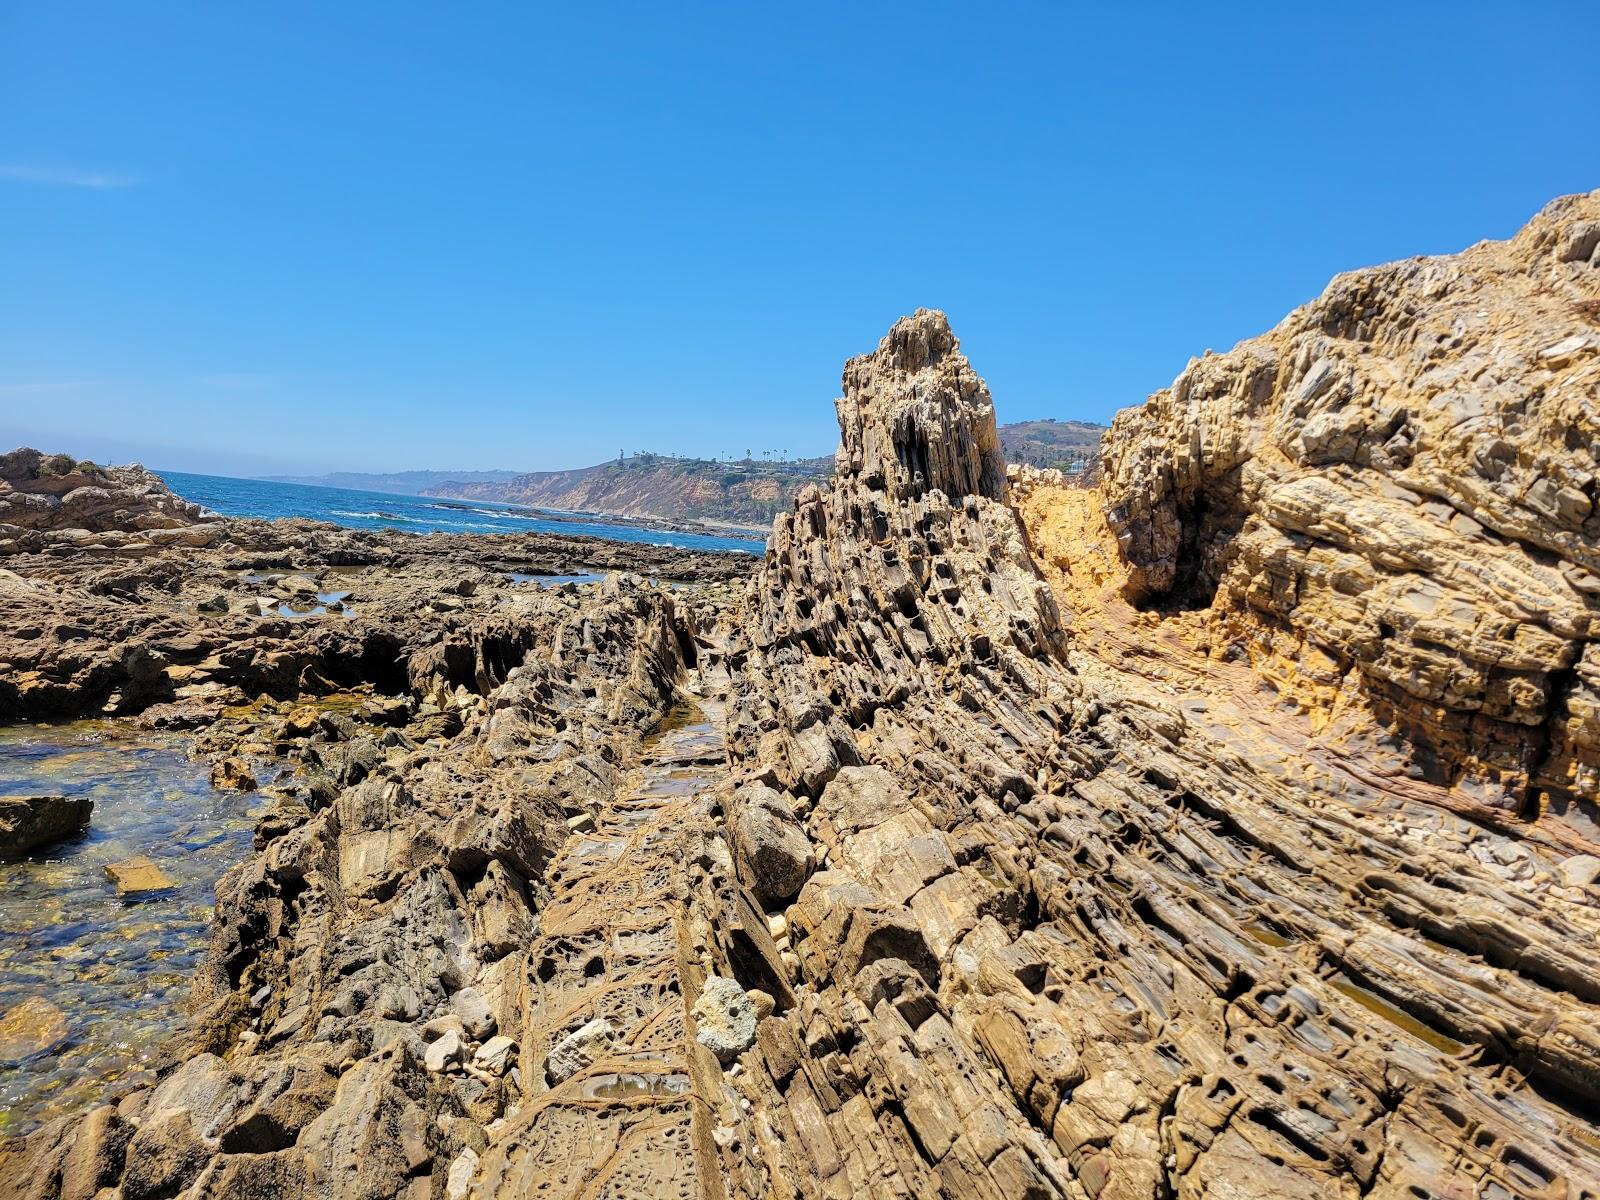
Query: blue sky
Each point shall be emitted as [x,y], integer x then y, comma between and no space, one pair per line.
[379,236]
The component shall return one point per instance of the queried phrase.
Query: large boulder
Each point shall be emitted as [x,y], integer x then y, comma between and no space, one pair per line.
[56,492]
[769,843]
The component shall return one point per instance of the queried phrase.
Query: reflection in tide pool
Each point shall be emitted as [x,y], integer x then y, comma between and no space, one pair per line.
[119,970]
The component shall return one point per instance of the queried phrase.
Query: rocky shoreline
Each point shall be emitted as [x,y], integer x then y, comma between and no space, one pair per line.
[1222,830]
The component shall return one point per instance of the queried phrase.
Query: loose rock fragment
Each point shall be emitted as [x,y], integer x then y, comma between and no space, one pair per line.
[444,1052]
[579,1050]
[725,1019]
[137,876]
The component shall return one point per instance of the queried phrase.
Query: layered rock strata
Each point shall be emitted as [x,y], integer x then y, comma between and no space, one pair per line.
[41,494]
[116,623]
[1087,929]
[365,1014]
[1389,502]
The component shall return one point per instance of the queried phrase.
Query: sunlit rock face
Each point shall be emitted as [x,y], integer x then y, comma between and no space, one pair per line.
[1391,499]
[915,417]
[1112,902]
[45,494]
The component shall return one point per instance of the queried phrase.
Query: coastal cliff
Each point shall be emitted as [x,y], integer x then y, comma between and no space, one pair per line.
[747,492]
[1223,830]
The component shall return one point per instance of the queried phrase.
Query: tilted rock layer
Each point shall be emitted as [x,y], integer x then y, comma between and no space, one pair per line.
[1112,916]
[1394,493]
[1191,837]
[52,492]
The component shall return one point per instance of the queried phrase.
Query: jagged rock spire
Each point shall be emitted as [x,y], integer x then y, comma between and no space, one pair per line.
[915,416]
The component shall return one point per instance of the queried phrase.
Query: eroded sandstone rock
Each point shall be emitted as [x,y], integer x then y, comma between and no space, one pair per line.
[1093,925]
[1389,501]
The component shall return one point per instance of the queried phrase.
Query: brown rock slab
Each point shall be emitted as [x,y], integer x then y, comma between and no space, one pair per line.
[138,876]
[233,775]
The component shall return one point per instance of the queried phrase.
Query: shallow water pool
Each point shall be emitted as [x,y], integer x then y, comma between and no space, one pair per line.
[118,969]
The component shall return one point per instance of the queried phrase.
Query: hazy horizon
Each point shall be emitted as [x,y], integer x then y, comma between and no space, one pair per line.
[101,449]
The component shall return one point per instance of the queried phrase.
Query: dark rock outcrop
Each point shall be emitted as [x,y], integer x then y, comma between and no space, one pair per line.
[28,822]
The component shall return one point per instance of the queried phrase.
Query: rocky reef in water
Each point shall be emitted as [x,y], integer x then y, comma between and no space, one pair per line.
[1224,830]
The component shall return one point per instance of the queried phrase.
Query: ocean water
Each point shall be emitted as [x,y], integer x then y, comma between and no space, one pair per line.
[419,514]
[119,969]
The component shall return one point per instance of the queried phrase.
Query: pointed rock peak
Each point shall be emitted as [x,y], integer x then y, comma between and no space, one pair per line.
[915,416]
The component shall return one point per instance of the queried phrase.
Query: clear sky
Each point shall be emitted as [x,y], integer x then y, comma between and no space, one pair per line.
[379,236]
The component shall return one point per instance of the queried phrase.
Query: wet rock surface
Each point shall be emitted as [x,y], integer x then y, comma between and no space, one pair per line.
[33,1027]
[992,844]
[113,623]
[119,968]
[28,822]
[363,1013]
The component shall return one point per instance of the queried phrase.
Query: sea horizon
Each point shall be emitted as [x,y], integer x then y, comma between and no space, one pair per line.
[353,508]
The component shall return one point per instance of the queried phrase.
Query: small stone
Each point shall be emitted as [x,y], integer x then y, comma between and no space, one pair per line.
[444,1052]
[138,876]
[495,1054]
[233,775]
[302,722]
[33,1027]
[459,1179]
[581,823]
[579,1049]
[1580,870]
[441,1025]
[476,1018]
[725,1017]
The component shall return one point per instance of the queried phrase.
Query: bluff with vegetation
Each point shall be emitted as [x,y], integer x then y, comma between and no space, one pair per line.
[1071,447]
[748,491]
